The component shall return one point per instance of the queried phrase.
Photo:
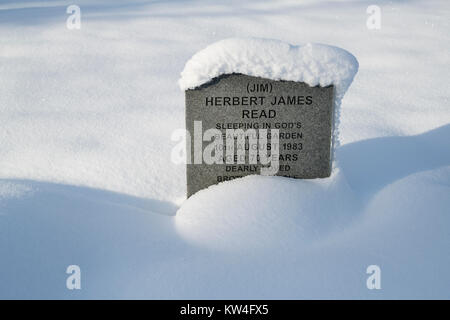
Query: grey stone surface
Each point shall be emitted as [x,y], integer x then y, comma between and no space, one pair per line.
[305,148]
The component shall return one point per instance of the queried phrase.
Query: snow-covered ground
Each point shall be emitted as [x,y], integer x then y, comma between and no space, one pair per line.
[86,118]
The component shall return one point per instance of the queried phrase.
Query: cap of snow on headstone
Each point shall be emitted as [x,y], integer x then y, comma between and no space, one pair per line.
[286,97]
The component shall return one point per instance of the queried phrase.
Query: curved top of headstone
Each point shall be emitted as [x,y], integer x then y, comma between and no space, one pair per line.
[314,64]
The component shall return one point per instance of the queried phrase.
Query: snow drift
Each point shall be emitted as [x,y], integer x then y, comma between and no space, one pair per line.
[85,166]
[257,212]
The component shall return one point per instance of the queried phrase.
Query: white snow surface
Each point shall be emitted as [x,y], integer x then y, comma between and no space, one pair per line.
[86,118]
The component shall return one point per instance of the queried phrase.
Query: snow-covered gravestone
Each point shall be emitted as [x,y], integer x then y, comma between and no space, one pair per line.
[282,100]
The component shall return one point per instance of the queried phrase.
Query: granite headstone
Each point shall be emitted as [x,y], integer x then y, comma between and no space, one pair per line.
[302,114]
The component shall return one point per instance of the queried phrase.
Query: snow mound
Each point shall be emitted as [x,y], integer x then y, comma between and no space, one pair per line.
[314,64]
[257,212]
